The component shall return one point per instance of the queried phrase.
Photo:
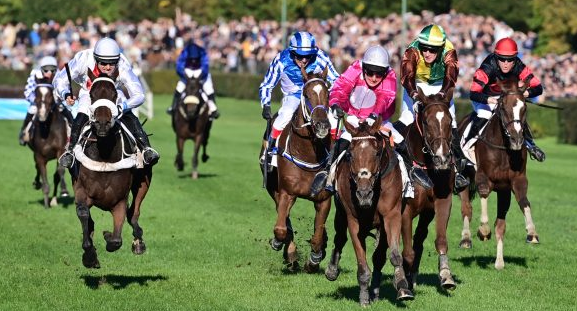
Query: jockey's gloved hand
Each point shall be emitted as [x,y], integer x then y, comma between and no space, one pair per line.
[372,118]
[337,111]
[266,114]
[120,110]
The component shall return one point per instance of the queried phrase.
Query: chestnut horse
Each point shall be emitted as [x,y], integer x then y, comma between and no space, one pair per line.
[303,151]
[429,141]
[48,141]
[369,194]
[105,174]
[190,121]
[501,160]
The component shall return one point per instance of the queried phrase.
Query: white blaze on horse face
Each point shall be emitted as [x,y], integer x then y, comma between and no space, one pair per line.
[43,92]
[318,88]
[517,114]
[440,115]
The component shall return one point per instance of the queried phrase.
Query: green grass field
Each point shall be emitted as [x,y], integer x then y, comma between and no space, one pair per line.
[207,239]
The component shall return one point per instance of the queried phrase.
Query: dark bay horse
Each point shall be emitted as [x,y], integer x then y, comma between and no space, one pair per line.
[105,176]
[369,195]
[190,120]
[429,141]
[303,151]
[501,160]
[48,141]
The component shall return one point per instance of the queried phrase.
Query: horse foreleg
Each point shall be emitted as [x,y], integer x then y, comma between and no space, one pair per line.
[197,145]
[41,169]
[408,251]
[363,270]
[520,191]
[392,228]
[89,258]
[503,203]
[466,216]
[206,135]
[484,231]
[140,186]
[340,224]
[57,178]
[443,212]
[63,188]
[114,239]
[178,161]
[319,238]
[282,234]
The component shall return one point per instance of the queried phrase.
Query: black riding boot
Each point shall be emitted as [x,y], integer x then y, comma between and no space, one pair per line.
[460,161]
[150,155]
[476,126]
[268,153]
[534,151]
[415,173]
[67,157]
[320,180]
[27,120]
[68,115]
[215,114]
[175,100]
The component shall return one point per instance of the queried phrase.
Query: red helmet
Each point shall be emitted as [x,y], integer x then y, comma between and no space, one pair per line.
[506,47]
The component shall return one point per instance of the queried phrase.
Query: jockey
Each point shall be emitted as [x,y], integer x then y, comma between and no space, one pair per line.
[503,63]
[366,90]
[193,61]
[46,69]
[430,63]
[286,67]
[104,58]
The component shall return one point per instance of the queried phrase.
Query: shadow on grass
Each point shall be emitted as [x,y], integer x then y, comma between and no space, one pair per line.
[64,202]
[120,281]
[488,262]
[200,175]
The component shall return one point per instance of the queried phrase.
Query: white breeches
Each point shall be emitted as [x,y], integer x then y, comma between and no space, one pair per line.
[407,112]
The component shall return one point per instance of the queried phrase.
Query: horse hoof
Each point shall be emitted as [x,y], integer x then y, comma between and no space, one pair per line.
[483,236]
[53,202]
[275,244]
[499,265]
[194,175]
[404,294]
[37,185]
[205,158]
[90,259]
[448,284]
[466,244]
[293,266]
[311,267]
[111,244]
[138,247]
[532,239]
[332,272]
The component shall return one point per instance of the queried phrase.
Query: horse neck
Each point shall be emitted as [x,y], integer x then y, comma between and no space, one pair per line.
[107,148]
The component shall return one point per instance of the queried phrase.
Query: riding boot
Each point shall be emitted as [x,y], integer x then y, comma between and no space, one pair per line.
[67,157]
[415,172]
[534,151]
[27,120]
[399,126]
[476,126]
[68,115]
[215,113]
[270,152]
[320,180]
[460,161]
[175,100]
[150,155]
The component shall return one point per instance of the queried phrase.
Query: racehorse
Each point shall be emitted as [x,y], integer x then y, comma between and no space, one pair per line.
[369,194]
[48,141]
[303,151]
[105,176]
[190,120]
[429,142]
[501,160]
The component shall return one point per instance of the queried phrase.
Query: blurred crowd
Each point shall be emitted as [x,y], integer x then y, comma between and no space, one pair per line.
[248,45]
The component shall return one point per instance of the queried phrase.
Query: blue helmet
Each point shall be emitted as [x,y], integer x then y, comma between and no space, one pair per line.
[303,43]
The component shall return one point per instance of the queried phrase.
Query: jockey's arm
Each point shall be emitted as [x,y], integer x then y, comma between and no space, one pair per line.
[271,79]
[134,88]
[480,80]
[204,65]
[535,87]
[62,84]
[451,71]
[29,93]
[181,63]
[409,71]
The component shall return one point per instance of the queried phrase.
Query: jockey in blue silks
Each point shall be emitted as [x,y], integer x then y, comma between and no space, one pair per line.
[286,67]
[193,62]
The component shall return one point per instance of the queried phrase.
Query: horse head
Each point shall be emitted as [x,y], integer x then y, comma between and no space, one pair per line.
[193,96]
[315,102]
[365,156]
[434,122]
[104,111]
[512,111]
[44,100]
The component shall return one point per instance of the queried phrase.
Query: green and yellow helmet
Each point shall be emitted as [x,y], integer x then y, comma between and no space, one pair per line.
[432,35]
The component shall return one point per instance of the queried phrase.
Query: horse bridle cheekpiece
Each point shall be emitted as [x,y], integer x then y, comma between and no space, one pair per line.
[306,104]
[501,111]
[104,102]
[372,176]
[428,145]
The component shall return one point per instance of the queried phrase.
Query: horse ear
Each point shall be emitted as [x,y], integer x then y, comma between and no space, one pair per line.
[449,95]
[349,127]
[376,125]
[325,72]
[304,73]
[525,84]
[91,75]
[421,94]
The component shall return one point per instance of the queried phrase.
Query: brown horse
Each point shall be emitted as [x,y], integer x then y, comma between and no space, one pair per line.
[48,141]
[369,194]
[190,120]
[105,188]
[429,141]
[303,151]
[501,160]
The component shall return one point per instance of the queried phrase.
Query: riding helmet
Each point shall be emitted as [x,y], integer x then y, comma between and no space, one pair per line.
[48,62]
[432,35]
[106,50]
[376,59]
[506,47]
[303,43]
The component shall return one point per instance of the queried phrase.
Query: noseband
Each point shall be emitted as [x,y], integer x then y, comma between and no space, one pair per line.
[356,176]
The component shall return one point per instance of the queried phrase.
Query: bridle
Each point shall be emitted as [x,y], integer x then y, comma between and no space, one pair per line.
[500,114]
[379,172]
[422,127]
[306,108]
[42,102]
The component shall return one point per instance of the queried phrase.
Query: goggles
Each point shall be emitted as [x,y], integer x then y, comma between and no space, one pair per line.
[506,59]
[428,48]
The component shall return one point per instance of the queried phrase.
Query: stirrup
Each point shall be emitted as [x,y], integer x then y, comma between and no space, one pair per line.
[169,110]
[319,182]
[21,139]
[536,153]
[461,181]
[421,178]
[214,115]
[66,159]
[150,156]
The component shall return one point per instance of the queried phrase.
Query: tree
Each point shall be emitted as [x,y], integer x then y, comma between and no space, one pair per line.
[556,24]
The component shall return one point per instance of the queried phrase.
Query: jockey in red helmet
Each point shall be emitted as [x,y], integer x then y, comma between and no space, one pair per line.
[503,63]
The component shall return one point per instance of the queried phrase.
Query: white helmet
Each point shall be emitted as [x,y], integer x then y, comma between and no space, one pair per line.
[48,61]
[106,50]
[376,56]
